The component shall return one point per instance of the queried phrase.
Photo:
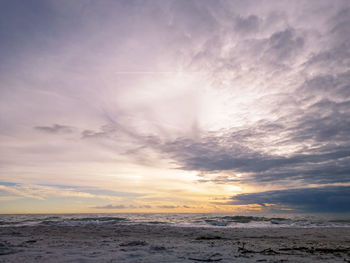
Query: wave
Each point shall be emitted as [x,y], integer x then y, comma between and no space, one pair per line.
[186,220]
[24,222]
[228,220]
[84,221]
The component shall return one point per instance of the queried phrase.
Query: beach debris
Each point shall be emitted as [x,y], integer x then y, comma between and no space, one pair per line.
[158,248]
[311,250]
[213,258]
[133,243]
[208,237]
[243,250]
[31,241]
[267,251]
[321,250]
[292,250]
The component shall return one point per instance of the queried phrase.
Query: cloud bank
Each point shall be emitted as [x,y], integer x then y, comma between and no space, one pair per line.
[324,199]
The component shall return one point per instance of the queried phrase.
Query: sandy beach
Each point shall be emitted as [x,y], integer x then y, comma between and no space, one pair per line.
[147,243]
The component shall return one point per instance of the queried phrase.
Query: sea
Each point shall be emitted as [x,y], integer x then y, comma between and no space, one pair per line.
[179,220]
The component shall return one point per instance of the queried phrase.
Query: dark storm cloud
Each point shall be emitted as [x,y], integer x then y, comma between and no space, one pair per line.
[323,199]
[315,166]
[55,128]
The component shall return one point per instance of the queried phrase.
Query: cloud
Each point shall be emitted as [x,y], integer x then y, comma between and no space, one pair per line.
[247,24]
[42,192]
[322,199]
[173,206]
[334,58]
[284,45]
[325,162]
[123,207]
[8,198]
[312,147]
[167,206]
[111,207]
[55,128]
[217,88]
[144,206]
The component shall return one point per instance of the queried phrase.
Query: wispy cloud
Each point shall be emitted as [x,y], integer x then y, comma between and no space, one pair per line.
[111,207]
[123,207]
[55,128]
[42,192]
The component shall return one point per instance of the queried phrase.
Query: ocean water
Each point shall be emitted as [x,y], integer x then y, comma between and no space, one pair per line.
[183,220]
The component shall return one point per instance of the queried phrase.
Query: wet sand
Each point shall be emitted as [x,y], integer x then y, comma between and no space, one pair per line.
[141,243]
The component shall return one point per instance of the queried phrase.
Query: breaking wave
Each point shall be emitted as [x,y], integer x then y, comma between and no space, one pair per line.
[183,220]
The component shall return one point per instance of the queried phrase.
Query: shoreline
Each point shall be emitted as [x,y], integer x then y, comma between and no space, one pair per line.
[160,243]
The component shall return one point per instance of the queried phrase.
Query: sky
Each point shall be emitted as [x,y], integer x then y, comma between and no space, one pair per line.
[174,106]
